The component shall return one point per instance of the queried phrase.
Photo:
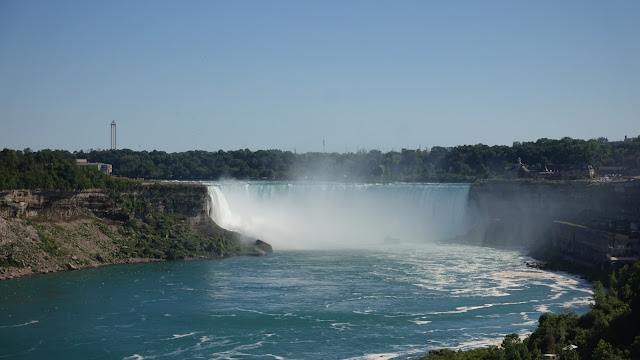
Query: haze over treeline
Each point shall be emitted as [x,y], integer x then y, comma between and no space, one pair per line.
[447,164]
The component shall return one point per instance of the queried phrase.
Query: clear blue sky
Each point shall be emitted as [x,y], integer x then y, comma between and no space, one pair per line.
[209,75]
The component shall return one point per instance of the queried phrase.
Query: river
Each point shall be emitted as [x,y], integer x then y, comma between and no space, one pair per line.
[324,295]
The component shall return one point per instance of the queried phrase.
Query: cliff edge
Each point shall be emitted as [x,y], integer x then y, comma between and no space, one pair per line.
[44,231]
[520,213]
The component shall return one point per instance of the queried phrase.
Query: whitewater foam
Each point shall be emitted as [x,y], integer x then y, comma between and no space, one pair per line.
[19,325]
[329,216]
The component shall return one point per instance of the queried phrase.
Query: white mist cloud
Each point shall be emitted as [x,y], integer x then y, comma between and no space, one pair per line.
[330,216]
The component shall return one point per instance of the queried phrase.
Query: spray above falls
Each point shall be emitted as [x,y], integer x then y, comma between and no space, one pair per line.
[323,216]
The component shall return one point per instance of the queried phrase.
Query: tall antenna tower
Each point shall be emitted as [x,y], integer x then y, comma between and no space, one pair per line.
[113,135]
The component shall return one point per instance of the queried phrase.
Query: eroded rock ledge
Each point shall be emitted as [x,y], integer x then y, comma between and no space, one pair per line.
[45,231]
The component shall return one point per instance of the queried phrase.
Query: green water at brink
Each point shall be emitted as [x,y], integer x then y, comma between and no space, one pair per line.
[333,304]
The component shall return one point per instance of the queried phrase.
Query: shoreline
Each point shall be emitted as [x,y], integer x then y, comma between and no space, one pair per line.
[11,273]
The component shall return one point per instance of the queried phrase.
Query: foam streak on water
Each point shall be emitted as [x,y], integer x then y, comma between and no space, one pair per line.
[383,302]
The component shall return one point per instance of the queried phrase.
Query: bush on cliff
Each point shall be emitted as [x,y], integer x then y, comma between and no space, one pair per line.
[167,237]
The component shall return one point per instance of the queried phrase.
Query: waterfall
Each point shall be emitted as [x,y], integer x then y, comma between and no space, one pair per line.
[219,211]
[316,216]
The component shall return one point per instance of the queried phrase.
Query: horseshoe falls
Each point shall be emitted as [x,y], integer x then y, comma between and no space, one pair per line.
[358,272]
[331,216]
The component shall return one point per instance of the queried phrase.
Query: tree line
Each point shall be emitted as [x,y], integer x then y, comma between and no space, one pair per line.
[46,169]
[52,170]
[437,164]
[55,169]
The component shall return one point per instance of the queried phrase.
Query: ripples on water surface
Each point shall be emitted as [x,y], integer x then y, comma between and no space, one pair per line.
[382,303]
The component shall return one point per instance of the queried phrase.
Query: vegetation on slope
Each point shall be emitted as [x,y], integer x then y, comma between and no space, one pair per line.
[609,331]
[170,237]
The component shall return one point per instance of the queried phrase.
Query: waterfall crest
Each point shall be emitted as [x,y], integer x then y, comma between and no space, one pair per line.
[321,216]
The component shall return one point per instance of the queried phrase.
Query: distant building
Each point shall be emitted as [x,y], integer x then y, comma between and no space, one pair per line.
[576,172]
[613,172]
[626,139]
[567,172]
[517,171]
[103,168]
[611,169]
[549,174]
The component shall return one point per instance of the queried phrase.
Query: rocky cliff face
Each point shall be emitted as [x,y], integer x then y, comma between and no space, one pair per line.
[54,204]
[43,231]
[521,213]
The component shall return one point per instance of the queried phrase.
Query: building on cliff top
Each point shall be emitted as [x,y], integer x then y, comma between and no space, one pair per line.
[626,140]
[102,167]
[567,172]
[577,172]
[517,171]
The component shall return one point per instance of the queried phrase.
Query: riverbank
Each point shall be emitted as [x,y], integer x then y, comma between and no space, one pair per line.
[547,260]
[610,330]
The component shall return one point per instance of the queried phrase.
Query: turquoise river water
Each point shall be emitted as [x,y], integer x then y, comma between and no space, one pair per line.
[382,301]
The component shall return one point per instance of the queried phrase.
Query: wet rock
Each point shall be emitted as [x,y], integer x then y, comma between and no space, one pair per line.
[264,246]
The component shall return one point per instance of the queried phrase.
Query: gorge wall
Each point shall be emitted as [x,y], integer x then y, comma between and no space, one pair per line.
[524,214]
[44,231]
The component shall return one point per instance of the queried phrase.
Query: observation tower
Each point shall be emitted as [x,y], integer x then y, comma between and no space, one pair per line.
[113,135]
